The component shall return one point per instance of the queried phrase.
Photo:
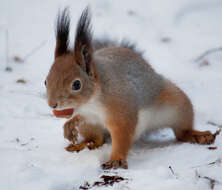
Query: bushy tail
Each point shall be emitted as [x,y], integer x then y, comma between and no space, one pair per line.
[106,42]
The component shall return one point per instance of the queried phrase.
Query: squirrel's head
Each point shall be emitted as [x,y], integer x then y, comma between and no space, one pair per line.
[71,79]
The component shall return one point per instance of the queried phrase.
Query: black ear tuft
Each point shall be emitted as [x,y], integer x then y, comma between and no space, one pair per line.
[62,32]
[83,48]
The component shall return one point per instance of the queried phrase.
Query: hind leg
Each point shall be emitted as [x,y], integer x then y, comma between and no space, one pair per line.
[182,119]
[188,134]
[82,134]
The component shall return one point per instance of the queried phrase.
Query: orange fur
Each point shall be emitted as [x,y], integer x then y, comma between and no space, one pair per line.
[183,128]
[116,88]
[121,126]
[93,136]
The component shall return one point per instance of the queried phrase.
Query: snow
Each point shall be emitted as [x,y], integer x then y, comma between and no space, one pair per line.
[32,154]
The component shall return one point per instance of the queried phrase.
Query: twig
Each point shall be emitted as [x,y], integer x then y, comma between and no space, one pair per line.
[7,47]
[207,53]
[7,68]
[218,161]
[214,124]
[172,171]
[212,181]
[33,51]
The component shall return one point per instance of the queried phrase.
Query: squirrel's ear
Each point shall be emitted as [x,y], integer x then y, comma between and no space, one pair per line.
[62,32]
[83,48]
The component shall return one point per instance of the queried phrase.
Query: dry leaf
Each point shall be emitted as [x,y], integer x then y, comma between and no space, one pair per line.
[21,81]
[18,59]
[204,63]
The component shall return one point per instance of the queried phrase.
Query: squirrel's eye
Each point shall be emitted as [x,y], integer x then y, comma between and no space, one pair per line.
[76,85]
[45,82]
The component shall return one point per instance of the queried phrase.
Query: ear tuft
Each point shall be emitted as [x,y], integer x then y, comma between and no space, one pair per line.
[83,48]
[62,32]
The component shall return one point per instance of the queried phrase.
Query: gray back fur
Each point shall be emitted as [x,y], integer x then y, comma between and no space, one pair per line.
[125,74]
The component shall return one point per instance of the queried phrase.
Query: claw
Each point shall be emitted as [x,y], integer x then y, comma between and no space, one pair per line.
[115,164]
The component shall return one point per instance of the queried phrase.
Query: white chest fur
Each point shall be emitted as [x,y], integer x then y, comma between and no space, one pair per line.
[154,118]
[93,111]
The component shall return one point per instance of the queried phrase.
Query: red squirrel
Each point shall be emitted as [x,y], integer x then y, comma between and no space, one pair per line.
[113,90]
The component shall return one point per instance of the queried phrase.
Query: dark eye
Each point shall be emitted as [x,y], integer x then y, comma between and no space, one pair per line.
[45,82]
[76,85]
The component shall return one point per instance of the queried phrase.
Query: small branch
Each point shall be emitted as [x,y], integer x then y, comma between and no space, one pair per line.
[218,161]
[33,51]
[7,68]
[212,181]
[207,53]
[172,171]
[7,47]
[214,124]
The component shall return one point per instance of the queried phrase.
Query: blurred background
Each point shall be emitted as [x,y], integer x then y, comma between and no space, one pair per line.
[181,39]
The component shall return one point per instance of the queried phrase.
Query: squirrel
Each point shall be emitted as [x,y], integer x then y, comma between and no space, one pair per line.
[113,90]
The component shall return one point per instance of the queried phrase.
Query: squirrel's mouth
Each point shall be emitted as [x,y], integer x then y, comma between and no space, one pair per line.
[66,113]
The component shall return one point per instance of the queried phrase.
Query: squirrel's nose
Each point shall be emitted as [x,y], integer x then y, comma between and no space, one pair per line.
[54,106]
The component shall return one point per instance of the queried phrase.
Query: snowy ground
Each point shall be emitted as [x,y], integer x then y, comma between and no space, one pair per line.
[173,33]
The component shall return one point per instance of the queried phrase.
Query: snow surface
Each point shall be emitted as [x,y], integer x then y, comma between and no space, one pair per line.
[172,33]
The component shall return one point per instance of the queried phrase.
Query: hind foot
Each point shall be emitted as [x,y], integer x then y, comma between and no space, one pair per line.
[200,137]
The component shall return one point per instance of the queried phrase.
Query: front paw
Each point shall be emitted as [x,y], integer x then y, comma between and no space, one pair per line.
[115,164]
[80,146]
[70,129]
[76,147]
